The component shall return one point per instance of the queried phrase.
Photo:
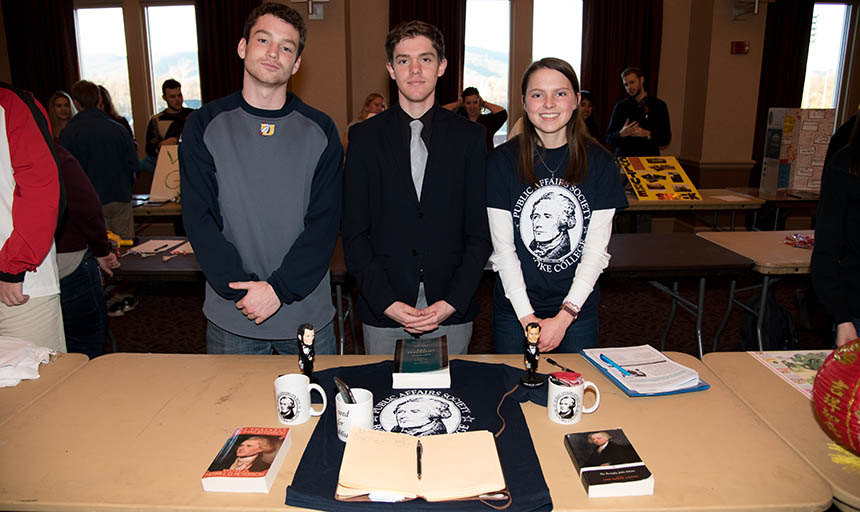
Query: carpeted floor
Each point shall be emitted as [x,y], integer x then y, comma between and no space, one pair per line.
[169,318]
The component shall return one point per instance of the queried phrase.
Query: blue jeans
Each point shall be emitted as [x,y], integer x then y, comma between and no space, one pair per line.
[219,341]
[509,338]
[84,312]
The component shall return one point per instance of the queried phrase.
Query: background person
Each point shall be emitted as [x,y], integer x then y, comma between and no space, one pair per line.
[553,170]
[60,111]
[110,110]
[639,125]
[836,256]
[471,106]
[374,103]
[157,130]
[82,249]
[586,105]
[30,204]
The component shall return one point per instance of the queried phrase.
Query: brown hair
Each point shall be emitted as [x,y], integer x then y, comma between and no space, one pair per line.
[415,28]
[285,13]
[107,103]
[52,110]
[632,70]
[578,138]
[86,93]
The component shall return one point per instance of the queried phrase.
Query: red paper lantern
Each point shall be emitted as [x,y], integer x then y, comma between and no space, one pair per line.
[836,394]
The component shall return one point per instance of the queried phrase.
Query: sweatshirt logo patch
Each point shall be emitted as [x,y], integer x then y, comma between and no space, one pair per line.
[267,130]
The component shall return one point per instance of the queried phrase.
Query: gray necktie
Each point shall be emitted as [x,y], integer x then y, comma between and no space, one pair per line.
[417,155]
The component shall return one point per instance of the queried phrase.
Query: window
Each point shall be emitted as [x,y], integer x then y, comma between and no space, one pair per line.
[172,36]
[487,53]
[164,30]
[102,53]
[826,55]
[557,31]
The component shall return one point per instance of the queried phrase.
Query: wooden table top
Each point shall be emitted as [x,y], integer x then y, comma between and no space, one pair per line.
[766,249]
[136,431]
[17,398]
[671,254]
[790,414]
[186,267]
[712,199]
[779,196]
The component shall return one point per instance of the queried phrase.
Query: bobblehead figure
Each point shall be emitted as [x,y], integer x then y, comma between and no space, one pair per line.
[531,354]
[305,341]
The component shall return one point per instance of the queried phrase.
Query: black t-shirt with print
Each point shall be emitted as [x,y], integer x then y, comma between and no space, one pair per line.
[552,218]
[470,404]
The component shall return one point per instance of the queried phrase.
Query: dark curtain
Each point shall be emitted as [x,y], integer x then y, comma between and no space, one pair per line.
[617,34]
[450,17]
[43,54]
[219,29]
[783,67]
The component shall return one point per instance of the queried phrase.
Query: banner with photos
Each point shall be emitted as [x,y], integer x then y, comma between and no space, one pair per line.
[658,178]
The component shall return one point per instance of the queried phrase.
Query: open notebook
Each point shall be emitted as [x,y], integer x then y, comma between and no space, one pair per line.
[383,466]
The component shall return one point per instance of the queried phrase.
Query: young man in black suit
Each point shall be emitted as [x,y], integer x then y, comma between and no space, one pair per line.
[415,226]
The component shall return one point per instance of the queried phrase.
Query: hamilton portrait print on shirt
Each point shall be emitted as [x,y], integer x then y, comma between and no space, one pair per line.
[422,413]
[552,220]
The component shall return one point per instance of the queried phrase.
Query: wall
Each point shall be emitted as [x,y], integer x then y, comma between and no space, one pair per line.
[321,81]
[368,26]
[718,94]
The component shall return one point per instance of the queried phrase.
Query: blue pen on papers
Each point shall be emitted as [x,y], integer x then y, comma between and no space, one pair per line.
[614,365]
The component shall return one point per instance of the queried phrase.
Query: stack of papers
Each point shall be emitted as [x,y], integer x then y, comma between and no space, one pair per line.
[644,370]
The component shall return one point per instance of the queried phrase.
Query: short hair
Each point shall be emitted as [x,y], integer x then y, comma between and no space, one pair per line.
[567,218]
[632,70]
[438,408]
[86,93]
[414,28]
[471,91]
[169,84]
[532,325]
[283,12]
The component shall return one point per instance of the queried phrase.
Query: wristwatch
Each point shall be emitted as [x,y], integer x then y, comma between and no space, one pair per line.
[571,308]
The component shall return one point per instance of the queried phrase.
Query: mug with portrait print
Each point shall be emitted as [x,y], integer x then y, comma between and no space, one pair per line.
[293,399]
[565,397]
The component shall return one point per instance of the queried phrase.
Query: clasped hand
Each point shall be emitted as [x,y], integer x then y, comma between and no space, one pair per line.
[418,321]
[552,329]
[260,302]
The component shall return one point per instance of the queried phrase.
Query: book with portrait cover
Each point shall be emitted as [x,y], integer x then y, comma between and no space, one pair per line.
[421,364]
[249,461]
[608,465]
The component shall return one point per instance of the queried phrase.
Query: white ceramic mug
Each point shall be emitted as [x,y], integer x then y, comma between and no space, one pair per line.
[359,414]
[565,397]
[293,399]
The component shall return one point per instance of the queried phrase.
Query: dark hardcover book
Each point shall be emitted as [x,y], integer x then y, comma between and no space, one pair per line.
[421,364]
[608,465]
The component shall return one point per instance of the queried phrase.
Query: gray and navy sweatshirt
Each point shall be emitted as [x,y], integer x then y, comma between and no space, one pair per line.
[261,199]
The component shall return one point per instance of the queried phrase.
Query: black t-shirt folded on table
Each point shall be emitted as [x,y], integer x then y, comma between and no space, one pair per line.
[476,389]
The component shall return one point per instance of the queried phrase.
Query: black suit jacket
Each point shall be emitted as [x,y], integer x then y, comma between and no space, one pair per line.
[391,240]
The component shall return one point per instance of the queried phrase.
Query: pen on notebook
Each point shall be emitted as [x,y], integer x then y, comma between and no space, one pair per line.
[614,365]
[419,452]
[160,248]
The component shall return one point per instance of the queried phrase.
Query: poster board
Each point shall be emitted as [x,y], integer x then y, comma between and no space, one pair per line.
[165,181]
[658,178]
[795,145]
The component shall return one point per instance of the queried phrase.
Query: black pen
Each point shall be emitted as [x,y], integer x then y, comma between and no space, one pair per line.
[419,451]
